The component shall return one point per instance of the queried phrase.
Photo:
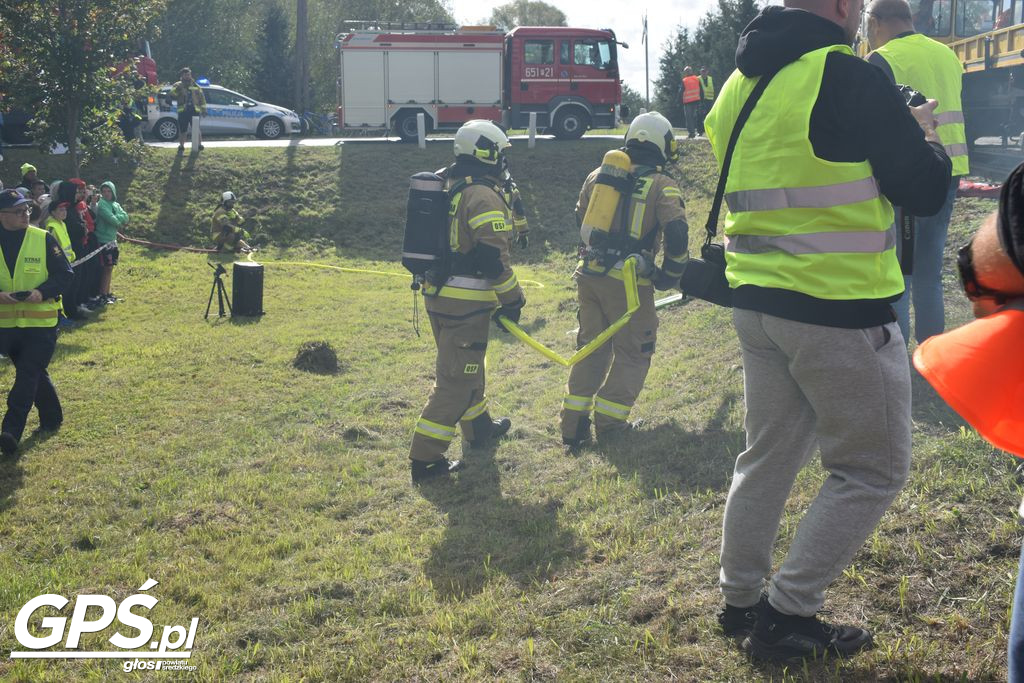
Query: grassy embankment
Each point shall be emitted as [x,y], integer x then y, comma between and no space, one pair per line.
[275,505]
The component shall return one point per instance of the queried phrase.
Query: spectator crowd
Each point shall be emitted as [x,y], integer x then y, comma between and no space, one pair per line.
[85,221]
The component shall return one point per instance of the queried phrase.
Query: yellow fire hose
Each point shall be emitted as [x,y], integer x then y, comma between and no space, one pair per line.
[632,304]
[628,282]
[344,269]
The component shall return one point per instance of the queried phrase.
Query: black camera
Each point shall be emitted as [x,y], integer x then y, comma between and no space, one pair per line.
[912,97]
[705,279]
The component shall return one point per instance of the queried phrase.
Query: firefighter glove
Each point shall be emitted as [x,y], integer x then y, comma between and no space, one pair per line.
[644,264]
[523,240]
[511,311]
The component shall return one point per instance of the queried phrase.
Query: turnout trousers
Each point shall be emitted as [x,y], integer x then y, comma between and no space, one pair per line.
[457,397]
[30,350]
[608,381]
[845,392]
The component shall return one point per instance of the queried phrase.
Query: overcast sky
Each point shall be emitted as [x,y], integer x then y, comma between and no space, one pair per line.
[623,17]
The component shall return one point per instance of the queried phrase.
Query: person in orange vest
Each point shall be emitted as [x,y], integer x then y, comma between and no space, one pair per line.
[978,369]
[693,96]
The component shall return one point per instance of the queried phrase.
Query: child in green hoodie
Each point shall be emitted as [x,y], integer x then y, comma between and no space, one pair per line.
[110,218]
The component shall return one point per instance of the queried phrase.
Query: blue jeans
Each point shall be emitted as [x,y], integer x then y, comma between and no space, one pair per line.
[925,285]
[1016,649]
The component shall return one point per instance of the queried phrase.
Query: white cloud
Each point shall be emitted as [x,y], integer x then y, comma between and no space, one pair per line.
[625,19]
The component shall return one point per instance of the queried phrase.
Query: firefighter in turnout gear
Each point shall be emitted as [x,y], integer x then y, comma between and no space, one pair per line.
[460,296]
[650,212]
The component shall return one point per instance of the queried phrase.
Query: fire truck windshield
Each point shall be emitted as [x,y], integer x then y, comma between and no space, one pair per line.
[599,54]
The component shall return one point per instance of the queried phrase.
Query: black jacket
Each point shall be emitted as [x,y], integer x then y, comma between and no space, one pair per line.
[859,116]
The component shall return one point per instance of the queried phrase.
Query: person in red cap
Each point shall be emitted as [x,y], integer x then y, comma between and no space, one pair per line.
[33,273]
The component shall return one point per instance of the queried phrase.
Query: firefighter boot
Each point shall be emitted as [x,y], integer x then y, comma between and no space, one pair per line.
[422,470]
[485,429]
[582,434]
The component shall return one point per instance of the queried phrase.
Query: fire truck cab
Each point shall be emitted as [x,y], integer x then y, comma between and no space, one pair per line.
[388,74]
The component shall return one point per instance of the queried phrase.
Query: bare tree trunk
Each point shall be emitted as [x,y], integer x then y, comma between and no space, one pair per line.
[73,123]
[301,55]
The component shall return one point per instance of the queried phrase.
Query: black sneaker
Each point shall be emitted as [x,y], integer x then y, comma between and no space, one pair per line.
[8,444]
[739,621]
[787,638]
[422,471]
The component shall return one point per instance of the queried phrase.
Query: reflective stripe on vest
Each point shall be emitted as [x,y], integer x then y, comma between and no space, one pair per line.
[797,222]
[814,243]
[709,87]
[820,197]
[691,89]
[29,272]
[934,70]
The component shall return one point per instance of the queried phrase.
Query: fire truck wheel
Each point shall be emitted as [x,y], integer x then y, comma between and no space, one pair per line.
[571,124]
[406,128]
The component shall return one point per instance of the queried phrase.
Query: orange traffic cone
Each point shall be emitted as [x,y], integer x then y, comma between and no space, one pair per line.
[979,370]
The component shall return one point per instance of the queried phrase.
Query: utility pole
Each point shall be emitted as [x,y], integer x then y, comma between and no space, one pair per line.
[647,66]
[301,55]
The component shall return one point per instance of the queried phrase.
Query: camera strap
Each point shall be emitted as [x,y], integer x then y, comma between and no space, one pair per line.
[716,206]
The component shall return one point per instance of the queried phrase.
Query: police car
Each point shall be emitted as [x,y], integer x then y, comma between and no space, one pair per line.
[227,113]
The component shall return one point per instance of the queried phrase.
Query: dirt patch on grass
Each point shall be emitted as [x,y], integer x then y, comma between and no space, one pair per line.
[317,357]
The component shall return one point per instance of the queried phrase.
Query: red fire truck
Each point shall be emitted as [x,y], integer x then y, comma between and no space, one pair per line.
[389,73]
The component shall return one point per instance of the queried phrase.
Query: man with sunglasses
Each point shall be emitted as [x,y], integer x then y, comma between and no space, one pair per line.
[991,269]
[33,274]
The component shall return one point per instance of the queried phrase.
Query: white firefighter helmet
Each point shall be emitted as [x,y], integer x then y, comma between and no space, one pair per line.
[654,128]
[228,197]
[481,140]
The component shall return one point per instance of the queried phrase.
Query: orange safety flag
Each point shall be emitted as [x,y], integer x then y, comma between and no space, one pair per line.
[979,370]
[691,89]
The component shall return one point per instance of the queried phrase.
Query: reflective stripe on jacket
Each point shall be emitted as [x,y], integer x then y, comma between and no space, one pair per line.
[797,222]
[478,216]
[933,69]
[29,272]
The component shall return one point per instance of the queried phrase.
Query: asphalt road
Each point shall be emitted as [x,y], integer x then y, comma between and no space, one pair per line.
[330,142]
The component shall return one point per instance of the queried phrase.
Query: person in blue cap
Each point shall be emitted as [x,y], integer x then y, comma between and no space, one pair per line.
[33,274]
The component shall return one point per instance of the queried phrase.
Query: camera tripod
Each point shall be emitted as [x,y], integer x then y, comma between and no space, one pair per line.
[218,287]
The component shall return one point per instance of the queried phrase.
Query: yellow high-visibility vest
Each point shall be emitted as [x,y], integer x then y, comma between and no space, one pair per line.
[29,272]
[59,230]
[709,87]
[797,222]
[933,69]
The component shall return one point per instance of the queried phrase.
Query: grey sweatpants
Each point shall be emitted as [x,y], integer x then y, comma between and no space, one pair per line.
[846,392]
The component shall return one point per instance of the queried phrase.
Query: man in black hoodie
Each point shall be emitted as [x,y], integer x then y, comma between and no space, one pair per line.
[810,244]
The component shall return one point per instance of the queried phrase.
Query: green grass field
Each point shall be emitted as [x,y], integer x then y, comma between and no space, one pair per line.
[275,505]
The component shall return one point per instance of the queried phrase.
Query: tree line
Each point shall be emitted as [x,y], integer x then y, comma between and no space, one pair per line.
[57,56]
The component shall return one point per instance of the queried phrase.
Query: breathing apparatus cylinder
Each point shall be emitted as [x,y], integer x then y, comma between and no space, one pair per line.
[613,181]
[426,225]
